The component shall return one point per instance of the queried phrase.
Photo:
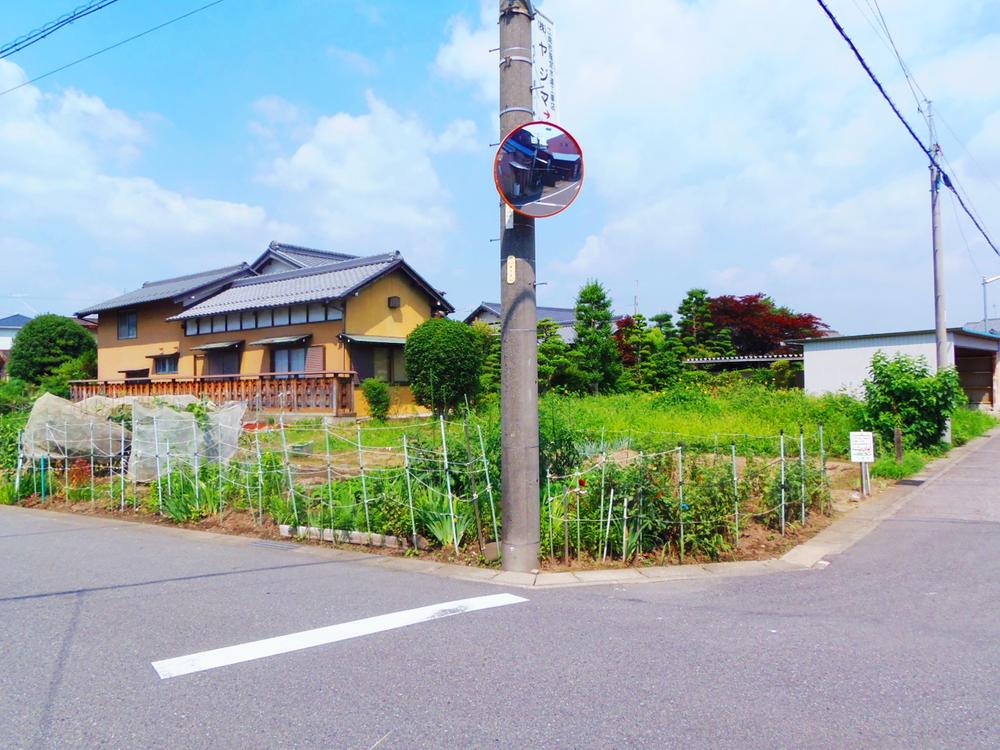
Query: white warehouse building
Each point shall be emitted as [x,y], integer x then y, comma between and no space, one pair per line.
[840,363]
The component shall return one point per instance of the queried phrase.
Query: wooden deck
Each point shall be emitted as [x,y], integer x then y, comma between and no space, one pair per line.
[330,391]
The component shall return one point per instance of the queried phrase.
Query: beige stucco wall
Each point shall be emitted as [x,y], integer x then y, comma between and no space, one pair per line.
[369,313]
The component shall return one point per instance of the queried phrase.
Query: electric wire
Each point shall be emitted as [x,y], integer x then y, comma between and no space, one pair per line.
[26,40]
[111,47]
[899,115]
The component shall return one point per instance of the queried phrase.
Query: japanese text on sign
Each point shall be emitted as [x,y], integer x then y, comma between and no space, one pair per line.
[862,447]
[543,69]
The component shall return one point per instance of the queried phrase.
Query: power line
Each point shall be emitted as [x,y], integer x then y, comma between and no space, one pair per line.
[113,46]
[885,95]
[26,40]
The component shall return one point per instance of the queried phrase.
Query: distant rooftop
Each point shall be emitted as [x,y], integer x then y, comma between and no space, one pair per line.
[14,321]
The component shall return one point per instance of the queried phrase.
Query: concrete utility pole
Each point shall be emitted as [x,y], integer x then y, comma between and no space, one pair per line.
[940,317]
[518,339]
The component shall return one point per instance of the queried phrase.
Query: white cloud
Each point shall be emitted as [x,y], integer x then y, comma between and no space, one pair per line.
[67,194]
[740,144]
[354,60]
[370,182]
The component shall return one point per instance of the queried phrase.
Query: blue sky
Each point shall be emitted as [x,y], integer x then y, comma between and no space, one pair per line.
[730,144]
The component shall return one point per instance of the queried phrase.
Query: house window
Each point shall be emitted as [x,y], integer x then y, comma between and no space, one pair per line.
[191,326]
[317,312]
[166,365]
[281,316]
[233,322]
[264,318]
[288,360]
[128,324]
[218,323]
[249,320]
[298,314]
[204,325]
[389,364]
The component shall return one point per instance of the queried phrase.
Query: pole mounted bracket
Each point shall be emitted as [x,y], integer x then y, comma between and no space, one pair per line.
[517,109]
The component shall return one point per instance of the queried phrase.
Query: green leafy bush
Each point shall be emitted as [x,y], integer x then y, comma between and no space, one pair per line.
[901,392]
[15,395]
[45,343]
[886,466]
[376,393]
[443,361]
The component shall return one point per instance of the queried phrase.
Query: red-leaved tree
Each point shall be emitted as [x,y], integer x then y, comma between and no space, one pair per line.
[758,326]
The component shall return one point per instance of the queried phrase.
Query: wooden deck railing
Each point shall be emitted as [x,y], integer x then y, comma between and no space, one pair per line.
[290,391]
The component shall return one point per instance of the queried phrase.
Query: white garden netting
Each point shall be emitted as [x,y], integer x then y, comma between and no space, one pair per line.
[165,432]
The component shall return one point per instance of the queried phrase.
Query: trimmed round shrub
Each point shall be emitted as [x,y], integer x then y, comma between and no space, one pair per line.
[45,343]
[444,359]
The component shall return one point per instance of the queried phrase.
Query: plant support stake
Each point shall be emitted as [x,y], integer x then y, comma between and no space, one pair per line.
[489,488]
[447,481]
[802,474]
[736,499]
[364,483]
[680,498]
[409,493]
[782,448]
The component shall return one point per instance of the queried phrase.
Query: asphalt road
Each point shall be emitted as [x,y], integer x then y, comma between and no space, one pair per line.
[553,199]
[893,645]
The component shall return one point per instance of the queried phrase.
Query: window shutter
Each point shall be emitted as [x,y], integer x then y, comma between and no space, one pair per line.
[315,358]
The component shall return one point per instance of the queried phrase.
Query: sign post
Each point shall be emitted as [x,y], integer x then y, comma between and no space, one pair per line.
[863,452]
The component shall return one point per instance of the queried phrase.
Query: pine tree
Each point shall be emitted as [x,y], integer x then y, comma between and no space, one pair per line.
[594,353]
[698,332]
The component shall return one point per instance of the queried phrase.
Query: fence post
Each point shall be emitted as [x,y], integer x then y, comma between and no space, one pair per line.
[364,483]
[472,478]
[65,458]
[782,448]
[288,470]
[92,497]
[20,463]
[42,460]
[447,481]
[121,465]
[489,488]
[156,453]
[624,525]
[736,498]
[548,500]
[566,526]
[329,469]
[680,497]
[170,486]
[639,493]
[111,468]
[197,464]
[604,466]
[578,491]
[409,492]
[260,473]
[607,530]
[802,473]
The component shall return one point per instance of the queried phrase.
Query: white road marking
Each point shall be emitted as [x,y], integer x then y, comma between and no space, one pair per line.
[223,657]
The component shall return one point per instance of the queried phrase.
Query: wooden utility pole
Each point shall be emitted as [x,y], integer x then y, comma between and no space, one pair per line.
[518,333]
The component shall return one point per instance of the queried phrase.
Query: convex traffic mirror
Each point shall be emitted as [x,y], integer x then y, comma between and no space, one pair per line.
[538,169]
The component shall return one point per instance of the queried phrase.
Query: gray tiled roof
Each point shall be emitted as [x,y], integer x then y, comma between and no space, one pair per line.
[562,315]
[153,291]
[14,321]
[332,281]
[309,257]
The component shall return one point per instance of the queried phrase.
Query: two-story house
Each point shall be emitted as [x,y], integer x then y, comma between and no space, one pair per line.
[297,328]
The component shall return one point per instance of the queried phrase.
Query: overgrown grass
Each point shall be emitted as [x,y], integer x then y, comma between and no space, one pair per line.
[970,423]
[886,466]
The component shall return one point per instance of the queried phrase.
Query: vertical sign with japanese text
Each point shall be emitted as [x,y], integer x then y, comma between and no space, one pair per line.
[543,68]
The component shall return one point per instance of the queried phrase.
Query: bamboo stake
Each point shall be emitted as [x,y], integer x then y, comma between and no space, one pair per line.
[736,499]
[92,496]
[489,487]
[472,478]
[447,480]
[20,463]
[782,482]
[548,497]
[802,474]
[288,471]
[364,483]
[197,464]
[680,497]
[156,450]
[607,531]
[121,465]
[260,474]
[409,491]
[329,471]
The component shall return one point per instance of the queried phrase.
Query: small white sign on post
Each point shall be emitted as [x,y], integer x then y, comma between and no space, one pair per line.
[863,452]
[543,69]
[862,447]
